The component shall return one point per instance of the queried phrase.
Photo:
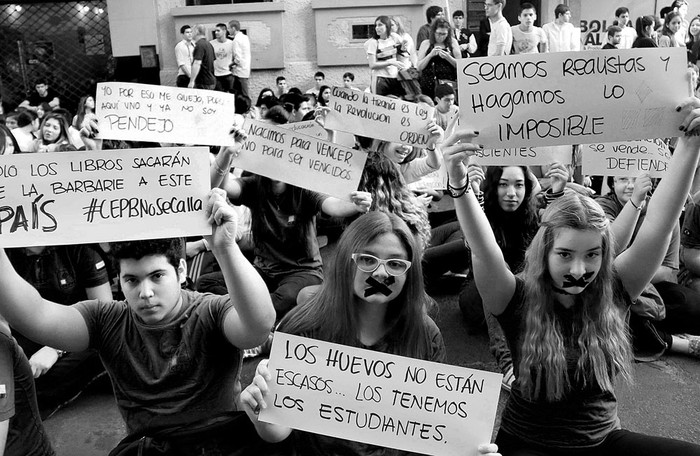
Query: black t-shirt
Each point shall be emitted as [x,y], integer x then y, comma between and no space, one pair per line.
[585,416]
[35,99]
[204,51]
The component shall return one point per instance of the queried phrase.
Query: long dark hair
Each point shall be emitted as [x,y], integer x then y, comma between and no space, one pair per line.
[441,23]
[522,222]
[387,23]
[331,314]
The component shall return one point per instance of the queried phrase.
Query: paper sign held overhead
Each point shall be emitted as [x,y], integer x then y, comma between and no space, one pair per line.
[375,116]
[87,197]
[567,98]
[297,159]
[526,156]
[381,399]
[628,158]
[143,112]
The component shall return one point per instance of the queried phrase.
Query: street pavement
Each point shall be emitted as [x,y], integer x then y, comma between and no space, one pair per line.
[665,399]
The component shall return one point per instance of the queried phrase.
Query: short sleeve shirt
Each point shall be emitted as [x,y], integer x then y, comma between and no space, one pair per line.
[204,52]
[224,57]
[26,436]
[384,50]
[501,35]
[586,415]
[165,375]
[527,42]
[35,99]
[283,252]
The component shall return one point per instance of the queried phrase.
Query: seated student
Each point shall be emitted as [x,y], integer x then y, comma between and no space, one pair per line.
[8,143]
[528,38]
[27,124]
[681,304]
[510,201]
[21,430]
[65,275]
[287,254]
[564,315]
[42,93]
[445,109]
[297,105]
[376,250]
[173,355]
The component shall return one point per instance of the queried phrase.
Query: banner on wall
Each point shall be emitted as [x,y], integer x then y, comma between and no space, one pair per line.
[598,15]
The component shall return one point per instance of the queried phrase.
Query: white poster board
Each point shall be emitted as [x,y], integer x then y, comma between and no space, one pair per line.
[382,399]
[297,159]
[629,158]
[375,116]
[143,112]
[527,156]
[567,98]
[88,197]
[309,128]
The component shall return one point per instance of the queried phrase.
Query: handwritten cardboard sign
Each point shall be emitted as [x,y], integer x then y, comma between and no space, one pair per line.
[381,399]
[379,117]
[630,158]
[307,162]
[508,156]
[573,97]
[86,197]
[309,128]
[437,180]
[143,112]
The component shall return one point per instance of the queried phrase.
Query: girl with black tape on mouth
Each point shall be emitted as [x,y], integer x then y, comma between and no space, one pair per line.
[373,297]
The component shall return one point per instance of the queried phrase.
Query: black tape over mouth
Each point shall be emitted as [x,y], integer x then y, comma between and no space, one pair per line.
[571,281]
[375,286]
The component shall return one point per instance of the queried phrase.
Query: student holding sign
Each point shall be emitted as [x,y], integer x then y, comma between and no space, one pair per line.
[564,314]
[373,298]
[173,355]
[287,254]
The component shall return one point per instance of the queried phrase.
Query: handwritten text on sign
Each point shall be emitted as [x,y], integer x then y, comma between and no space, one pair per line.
[573,97]
[378,398]
[301,160]
[379,117]
[527,156]
[630,158]
[83,197]
[143,112]
[309,128]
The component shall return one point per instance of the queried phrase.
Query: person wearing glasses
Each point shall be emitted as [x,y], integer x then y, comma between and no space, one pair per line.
[373,298]
[501,38]
[437,58]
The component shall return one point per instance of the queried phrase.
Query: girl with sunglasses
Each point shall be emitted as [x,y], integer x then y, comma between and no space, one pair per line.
[372,298]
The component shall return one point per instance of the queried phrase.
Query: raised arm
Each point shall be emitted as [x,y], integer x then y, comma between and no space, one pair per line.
[221,165]
[249,323]
[639,262]
[43,321]
[495,282]
[623,225]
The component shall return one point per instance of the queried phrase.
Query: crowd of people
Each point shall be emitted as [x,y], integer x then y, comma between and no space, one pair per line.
[570,289]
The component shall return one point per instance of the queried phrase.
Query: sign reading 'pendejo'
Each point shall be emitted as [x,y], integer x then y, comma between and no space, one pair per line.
[84,197]
[573,97]
[381,399]
[143,112]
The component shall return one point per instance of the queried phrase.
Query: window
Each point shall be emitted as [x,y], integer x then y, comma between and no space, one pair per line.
[362,31]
